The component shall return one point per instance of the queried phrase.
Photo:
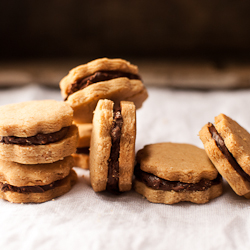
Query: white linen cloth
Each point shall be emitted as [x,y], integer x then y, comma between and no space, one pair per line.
[83,219]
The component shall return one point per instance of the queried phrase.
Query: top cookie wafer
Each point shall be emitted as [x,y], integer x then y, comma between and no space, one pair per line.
[176,162]
[30,118]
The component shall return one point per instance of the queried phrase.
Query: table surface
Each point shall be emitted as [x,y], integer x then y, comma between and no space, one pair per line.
[83,219]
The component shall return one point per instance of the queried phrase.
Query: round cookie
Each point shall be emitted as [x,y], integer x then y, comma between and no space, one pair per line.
[171,172]
[227,145]
[61,187]
[36,154]
[124,85]
[36,132]
[112,148]
[17,174]
[30,118]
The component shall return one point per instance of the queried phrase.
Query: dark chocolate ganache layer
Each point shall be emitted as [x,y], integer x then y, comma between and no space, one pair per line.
[113,165]
[30,189]
[158,183]
[39,139]
[98,77]
[221,145]
[84,150]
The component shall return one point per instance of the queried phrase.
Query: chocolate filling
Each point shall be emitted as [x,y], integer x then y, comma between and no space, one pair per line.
[84,150]
[158,183]
[39,139]
[30,189]
[221,145]
[113,166]
[98,77]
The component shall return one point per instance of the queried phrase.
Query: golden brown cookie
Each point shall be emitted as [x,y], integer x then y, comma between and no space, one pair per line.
[17,174]
[30,118]
[227,145]
[104,78]
[38,194]
[36,154]
[112,149]
[172,172]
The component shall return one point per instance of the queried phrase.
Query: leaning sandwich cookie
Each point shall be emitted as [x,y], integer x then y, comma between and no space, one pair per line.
[170,172]
[114,79]
[112,148]
[227,145]
[81,156]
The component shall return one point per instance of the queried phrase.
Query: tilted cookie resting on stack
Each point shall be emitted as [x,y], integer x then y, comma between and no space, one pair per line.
[36,141]
[112,149]
[113,79]
[171,172]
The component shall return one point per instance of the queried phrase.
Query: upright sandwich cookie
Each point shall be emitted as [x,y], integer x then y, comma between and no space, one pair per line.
[170,172]
[37,132]
[227,145]
[112,147]
[113,79]
[81,156]
[24,183]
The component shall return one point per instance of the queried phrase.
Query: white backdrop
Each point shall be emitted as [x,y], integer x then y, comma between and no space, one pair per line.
[82,219]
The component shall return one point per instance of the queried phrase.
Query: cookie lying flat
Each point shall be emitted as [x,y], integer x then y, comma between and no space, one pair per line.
[170,172]
[38,193]
[17,174]
[37,132]
[113,79]
[81,156]
[112,148]
[227,145]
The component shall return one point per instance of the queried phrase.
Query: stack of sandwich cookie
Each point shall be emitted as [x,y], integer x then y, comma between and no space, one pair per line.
[81,156]
[113,79]
[37,139]
[112,148]
[170,172]
[227,145]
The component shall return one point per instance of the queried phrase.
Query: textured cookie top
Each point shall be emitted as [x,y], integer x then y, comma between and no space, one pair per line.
[90,68]
[33,117]
[176,162]
[236,139]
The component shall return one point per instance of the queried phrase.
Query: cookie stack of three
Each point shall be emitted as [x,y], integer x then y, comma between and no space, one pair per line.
[37,139]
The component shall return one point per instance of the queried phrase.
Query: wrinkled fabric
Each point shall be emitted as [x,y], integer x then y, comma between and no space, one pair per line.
[83,219]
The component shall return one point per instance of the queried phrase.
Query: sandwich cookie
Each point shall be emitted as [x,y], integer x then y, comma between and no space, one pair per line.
[36,132]
[104,78]
[112,146]
[23,183]
[227,145]
[81,156]
[171,172]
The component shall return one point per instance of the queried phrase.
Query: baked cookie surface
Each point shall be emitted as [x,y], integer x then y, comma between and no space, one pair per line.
[118,88]
[176,162]
[104,148]
[35,154]
[17,174]
[30,118]
[227,145]
[171,172]
[39,193]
